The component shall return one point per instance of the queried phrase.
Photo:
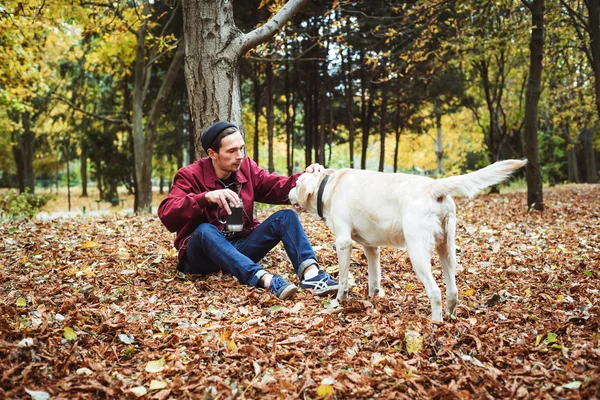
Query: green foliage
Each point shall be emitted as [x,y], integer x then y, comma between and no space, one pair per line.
[15,206]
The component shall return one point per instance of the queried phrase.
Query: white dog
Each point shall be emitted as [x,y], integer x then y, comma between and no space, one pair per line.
[398,210]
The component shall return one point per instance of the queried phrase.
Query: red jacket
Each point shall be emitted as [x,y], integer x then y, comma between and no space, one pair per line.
[186,206]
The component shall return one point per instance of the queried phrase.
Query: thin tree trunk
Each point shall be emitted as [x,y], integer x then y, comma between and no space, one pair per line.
[320,128]
[383,127]
[143,139]
[83,171]
[586,137]
[573,173]
[397,130]
[534,89]
[256,142]
[349,106]
[439,143]
[270,115]
[23,154]
[288,119]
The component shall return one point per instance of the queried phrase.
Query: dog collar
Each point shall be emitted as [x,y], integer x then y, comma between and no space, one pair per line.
[320,196]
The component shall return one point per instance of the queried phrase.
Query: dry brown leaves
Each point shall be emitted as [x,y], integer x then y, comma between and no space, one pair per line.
[92,308]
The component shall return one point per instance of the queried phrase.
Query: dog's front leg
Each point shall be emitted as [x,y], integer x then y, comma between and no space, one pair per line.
[372,254]
[343,246]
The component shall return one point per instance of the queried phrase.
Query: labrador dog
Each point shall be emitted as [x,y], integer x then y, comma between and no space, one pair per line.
[397,210]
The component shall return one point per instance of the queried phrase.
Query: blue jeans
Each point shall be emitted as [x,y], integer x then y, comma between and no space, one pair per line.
[209,251]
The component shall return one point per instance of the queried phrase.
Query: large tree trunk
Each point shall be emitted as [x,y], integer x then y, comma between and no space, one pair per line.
[534,88]
[213,47]
[439,140]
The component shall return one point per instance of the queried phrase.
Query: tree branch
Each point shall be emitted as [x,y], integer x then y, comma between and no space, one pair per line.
[90,114]
[265,32]
[526,4]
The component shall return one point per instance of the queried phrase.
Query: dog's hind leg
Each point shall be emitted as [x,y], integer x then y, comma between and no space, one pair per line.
[343,246]
[372,254]
[420,256]
[446,249]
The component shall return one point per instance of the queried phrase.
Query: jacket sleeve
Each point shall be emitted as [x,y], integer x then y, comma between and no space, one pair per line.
[272,188]
[182,204]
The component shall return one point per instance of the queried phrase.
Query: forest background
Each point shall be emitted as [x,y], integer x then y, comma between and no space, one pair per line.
[436,87]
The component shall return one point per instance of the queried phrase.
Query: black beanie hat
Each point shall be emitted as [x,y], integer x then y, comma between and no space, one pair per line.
[209,135]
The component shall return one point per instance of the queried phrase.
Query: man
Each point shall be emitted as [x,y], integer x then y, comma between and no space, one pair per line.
[199,202]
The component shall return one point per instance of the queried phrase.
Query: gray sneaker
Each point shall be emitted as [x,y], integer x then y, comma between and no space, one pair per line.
[282,288]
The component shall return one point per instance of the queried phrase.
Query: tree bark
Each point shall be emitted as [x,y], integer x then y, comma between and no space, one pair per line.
[534,88]
[213,47]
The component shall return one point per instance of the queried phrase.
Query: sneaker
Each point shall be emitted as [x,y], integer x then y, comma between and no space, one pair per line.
[322,284]
[282,288]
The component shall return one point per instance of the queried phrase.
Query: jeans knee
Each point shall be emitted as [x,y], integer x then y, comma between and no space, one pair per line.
[290,216]
[204,229]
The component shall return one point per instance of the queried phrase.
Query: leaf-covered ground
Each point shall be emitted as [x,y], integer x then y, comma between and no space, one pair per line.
[92,308]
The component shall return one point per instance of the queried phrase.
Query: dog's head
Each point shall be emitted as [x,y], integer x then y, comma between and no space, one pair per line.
[304,196]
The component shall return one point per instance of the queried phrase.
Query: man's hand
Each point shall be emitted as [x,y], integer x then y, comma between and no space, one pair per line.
[314,168]
[222,198]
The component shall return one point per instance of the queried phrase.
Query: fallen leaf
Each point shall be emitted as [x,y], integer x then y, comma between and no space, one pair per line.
[324,390]
[21,302]
[139,391]
[38,395]
[69,333]
[84,371]
[88,245]
[127,339]
[156,384]
[156,365]
[572,385]
[413,341]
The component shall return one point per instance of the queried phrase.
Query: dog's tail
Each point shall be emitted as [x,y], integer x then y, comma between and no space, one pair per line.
[470,184]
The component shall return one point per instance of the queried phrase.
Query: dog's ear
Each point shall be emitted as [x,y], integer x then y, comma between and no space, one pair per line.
[306,187]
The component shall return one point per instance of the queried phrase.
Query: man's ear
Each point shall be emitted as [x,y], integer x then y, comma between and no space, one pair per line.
[212,154]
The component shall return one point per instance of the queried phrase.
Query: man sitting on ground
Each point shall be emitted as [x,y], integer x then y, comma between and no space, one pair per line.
[200,200]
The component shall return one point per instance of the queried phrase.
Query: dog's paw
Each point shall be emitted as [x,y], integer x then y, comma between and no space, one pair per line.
[377,292]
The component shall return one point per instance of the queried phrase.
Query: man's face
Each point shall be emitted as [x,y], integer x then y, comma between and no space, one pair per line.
[230,155]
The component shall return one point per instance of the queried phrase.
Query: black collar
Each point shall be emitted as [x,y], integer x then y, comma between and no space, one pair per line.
[320,196]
